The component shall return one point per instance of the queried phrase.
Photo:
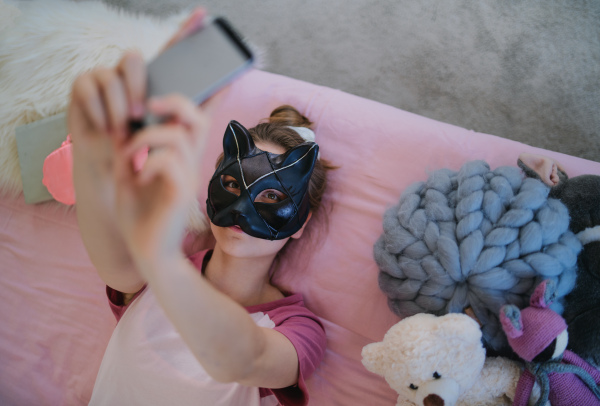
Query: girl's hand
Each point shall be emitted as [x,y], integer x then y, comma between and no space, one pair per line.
[105,100]
[102,102]
[152,204]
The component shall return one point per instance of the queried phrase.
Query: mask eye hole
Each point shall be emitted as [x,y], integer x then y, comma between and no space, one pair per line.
[270,196]
[231,184]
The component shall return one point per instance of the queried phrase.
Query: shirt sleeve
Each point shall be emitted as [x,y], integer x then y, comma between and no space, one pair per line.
[116,301]
[307,335]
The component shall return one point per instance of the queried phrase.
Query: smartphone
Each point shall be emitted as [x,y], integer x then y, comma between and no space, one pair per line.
[200,64]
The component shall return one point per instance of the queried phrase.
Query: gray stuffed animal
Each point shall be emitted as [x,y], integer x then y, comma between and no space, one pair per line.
[581,195]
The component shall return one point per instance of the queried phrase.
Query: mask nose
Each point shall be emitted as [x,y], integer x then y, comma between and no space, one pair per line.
[236,214]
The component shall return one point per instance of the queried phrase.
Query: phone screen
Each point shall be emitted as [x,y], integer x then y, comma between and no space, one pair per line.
[199,65]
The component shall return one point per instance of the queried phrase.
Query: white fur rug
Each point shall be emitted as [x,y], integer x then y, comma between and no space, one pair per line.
[44,45]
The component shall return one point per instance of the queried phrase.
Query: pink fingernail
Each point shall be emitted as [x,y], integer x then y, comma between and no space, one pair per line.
[137,110]
[197,19]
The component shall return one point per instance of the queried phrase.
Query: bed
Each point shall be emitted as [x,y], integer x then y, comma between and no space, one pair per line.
[54,315]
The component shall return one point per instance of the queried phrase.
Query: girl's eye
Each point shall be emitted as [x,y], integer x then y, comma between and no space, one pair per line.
[413,387]
[270,196]
[230,184]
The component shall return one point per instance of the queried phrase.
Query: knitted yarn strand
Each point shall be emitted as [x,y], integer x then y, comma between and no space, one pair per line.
[474,238]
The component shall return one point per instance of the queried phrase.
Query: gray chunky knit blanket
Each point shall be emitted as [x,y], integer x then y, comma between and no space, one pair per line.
[475,238]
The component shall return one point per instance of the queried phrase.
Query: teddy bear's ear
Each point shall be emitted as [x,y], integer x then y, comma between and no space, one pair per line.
[458,325]
[510,318]
[373,358]
[544,294]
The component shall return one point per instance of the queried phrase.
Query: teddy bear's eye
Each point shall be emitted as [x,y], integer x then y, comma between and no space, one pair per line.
[436,375]
[413,387]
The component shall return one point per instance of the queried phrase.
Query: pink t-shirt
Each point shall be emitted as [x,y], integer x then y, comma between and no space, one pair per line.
[147,355]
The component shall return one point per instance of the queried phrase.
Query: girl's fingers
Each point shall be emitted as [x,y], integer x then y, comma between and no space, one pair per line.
[171,136]
[163,163]
[114,99]
[132,69]
[176,107]
[162,138]
[182,111]
[192,24]
[86,97]
[124,171]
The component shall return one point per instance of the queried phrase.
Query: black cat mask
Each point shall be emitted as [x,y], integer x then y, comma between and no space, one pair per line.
[246,172]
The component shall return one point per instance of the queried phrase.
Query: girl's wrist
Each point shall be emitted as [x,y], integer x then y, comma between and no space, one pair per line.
[96,172]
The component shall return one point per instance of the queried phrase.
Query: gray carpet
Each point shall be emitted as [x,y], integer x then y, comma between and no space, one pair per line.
[524,70]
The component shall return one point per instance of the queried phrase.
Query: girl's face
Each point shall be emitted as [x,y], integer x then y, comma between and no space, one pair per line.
[263,192]
[234,241]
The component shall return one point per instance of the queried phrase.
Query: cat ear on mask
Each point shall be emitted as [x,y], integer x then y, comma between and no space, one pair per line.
[302,156]
[237,141]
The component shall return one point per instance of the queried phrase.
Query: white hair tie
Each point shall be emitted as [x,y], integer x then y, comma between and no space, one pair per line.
[307,134]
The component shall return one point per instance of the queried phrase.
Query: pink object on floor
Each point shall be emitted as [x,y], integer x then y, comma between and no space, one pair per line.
[58,177]
[58,171]
[54,316]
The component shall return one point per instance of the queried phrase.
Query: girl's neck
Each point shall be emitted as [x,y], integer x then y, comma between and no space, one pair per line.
[245,280]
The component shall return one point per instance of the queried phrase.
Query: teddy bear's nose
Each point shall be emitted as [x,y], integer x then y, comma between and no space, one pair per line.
[433,400]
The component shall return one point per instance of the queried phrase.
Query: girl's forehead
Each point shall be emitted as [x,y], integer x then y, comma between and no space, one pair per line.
[255,167]
[270,147]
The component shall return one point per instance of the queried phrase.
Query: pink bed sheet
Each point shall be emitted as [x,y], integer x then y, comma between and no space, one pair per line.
[54,316]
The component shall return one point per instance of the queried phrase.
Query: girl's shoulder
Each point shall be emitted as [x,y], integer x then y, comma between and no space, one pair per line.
[291,317]
[289,304]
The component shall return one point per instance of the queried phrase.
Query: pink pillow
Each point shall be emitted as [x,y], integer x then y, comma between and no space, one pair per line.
[58,338]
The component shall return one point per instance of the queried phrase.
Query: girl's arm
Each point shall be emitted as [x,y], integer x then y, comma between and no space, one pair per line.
[218,331]
[98,113]
[152,206]
[103,101]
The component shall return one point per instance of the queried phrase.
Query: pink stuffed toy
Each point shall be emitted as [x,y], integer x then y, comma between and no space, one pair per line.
[58,171]
[58,178]
[539,336]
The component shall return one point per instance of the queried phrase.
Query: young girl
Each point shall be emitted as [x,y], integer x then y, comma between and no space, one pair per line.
[209,329]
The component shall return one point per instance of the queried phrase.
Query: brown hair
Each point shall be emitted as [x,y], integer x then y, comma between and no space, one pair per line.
[276,131]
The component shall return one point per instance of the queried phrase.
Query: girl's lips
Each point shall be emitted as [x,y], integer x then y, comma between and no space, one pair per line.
[237,229]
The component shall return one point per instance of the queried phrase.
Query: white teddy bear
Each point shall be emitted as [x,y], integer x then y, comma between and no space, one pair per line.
[440,361]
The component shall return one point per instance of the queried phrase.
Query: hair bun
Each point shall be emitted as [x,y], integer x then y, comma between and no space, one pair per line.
[288,116]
